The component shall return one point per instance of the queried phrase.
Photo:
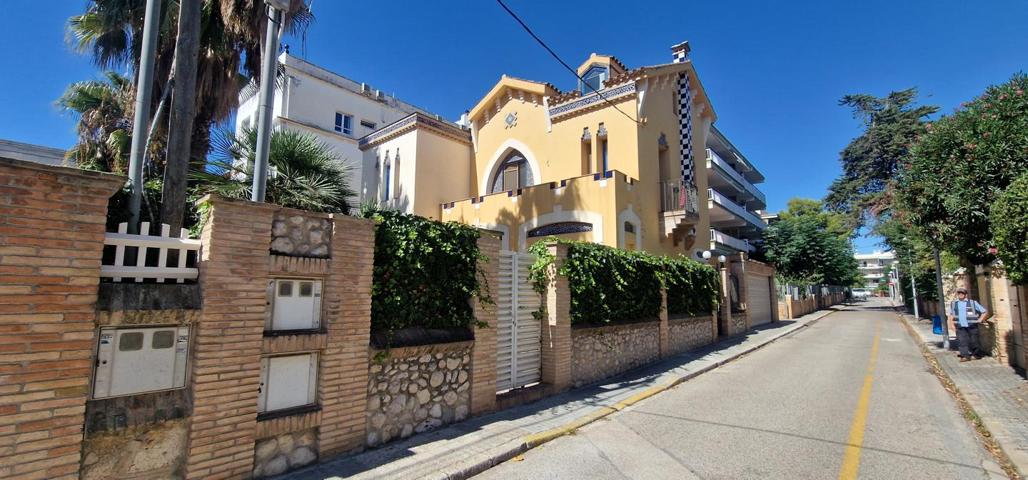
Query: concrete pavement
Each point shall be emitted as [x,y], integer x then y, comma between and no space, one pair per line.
[998,395]
[847,397]
[464,449]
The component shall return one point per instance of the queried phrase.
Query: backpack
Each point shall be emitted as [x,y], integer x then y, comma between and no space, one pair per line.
[972,313]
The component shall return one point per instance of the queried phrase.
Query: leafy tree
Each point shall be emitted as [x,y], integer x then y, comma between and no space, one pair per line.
[804,250]
[309,175]
[104,126]
[1009,219]
[870,161]
[962,163]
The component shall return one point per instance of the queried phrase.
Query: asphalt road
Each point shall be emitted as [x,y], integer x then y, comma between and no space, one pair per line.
[848,397]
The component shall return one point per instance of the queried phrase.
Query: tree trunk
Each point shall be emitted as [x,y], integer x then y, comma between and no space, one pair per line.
[183,108]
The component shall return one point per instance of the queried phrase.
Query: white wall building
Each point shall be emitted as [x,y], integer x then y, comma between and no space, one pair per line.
[873,265]
[336,109]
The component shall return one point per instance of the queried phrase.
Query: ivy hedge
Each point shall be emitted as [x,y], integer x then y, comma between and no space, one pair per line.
[609,285]
[425,274]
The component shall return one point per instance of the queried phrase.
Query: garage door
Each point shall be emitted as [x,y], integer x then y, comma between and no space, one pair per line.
[758,291]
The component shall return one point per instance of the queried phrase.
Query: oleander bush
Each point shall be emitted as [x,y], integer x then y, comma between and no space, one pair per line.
[1009,218]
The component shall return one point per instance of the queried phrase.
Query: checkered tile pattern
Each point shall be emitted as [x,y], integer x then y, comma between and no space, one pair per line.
[685,128]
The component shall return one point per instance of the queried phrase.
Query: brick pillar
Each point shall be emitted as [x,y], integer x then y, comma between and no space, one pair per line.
[664,334]
[51,242]
[344,362]
[556,331]
[483,354]
[226,357]
[744,291]
[725,311]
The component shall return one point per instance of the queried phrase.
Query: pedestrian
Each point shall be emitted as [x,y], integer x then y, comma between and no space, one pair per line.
[967,314]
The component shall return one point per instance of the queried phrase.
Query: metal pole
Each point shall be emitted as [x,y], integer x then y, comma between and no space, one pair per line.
[144,87]
[913,288]
[942,298]
[267,96]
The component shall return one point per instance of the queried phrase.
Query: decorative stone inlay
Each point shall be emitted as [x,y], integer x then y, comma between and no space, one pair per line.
[601,352]
[589,100]
[417,389]
[689,333]
[299,235]
[289,451]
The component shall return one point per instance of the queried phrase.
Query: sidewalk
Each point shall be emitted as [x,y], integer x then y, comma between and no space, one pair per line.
[464,449]
[998,395]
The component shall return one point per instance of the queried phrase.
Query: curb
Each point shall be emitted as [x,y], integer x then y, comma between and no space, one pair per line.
[529,442]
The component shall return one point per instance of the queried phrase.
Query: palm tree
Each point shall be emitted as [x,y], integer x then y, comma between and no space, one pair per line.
[105,122]
[230,39]
[308,174]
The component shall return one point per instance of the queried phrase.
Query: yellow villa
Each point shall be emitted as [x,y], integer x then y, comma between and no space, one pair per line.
[603,163]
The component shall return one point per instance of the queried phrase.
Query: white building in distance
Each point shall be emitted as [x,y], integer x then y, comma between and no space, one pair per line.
[336,109]
[872,266]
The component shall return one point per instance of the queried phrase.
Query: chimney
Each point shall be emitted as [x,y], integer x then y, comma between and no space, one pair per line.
[464,119]
[680,52]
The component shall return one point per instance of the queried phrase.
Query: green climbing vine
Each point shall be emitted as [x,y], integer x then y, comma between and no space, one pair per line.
[610,285]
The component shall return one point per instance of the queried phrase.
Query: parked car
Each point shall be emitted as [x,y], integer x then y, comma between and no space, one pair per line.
[860,293]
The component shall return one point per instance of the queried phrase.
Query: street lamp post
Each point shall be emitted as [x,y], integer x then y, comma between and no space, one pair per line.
[942,298]
[269,64]
[144,87]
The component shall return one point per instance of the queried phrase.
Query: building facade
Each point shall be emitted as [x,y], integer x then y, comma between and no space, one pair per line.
[613,161]
[335,109]
[736,205]
[875,267]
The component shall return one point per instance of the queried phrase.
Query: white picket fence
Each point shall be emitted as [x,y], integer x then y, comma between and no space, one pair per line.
[162,272]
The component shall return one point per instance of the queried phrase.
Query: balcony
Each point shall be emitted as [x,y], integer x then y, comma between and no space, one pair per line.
[679,211]
[725,212]
[720,240]
[726,177]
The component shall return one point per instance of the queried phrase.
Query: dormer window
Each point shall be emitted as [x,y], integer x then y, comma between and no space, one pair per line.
[594,78]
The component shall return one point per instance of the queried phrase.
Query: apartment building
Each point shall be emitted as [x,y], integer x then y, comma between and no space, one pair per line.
[737,217]
[874,266]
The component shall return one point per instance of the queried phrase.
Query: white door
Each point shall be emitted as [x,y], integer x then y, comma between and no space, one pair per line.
[758,303]
[518,346]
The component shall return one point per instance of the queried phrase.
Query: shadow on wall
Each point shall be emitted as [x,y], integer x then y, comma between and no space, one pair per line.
[533,205]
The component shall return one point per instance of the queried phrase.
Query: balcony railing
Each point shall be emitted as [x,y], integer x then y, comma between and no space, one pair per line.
[715,161]
[675,198]
[736,209]
[730,241]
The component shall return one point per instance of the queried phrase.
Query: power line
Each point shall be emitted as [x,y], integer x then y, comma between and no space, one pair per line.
[562,62]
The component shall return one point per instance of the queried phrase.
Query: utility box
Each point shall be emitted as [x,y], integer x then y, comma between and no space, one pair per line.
[138,360]
[294,304]
[288,381]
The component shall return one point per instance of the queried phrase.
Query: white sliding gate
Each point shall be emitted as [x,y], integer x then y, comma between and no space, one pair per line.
[518,331]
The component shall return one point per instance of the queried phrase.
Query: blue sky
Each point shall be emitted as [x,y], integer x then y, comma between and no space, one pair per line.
[774,70]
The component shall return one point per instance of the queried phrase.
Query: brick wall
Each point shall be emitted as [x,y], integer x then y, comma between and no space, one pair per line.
[483,355]
[51,241]
[344,367]
[228,339]
[556,328]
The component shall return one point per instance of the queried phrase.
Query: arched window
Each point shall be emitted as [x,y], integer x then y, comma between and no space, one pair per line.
[513,173]
[396,176]
[386,177]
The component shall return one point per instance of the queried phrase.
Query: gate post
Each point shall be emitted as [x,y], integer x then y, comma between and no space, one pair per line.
[483,353]
[556,327]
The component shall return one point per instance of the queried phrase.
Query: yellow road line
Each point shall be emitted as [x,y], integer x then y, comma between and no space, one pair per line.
[851,460]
